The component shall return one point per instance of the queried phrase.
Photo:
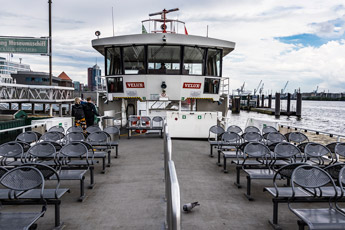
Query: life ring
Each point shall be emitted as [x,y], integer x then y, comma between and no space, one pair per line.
[141,131]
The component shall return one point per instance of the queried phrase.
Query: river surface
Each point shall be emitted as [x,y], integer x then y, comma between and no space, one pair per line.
[328,116]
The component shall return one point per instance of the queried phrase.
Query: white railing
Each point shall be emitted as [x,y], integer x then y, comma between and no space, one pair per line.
[35,93]
[23,128]
[337,135]
[172,188]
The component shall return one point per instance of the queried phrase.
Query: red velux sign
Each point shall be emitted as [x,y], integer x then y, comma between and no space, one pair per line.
[189,85]
[135,84]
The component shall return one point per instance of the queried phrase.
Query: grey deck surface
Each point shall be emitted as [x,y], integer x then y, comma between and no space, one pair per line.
[129,195]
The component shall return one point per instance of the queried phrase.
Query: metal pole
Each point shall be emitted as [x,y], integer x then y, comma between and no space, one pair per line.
[288,104]
[277,107]
[299,105]
[50,43]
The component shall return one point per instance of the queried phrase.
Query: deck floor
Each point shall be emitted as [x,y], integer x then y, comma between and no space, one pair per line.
[130,194]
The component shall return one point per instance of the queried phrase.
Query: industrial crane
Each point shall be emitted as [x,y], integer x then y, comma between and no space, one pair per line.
[283,90]
[261,88]
[255,90]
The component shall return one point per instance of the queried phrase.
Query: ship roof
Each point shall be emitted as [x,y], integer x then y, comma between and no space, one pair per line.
[157,38]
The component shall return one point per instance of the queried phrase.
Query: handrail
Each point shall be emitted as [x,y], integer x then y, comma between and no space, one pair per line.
[174,206]
[23,127]
[317,132]
[172,188]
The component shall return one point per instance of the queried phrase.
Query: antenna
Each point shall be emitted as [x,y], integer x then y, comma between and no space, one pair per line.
[112,16]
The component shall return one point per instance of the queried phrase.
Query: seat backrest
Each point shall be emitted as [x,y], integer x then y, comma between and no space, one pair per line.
[251,129]
[133,120]
[112,130]
[340,149]
[316,150]
[23,178]
[298,137]
[11,149]
[234,128]
[268,129]
[274,137]
[52,136]
[74,136]
[74,149]
[231,137]
[42,150]
[252,137]
[57,128]
[145,119]
[75,129]
[334,170]
[286,150]
[286,171]
[312,177]
[99,136]
[215,129]
[93,128]
[158,121]
[331,146]
[256,150]
[28,137]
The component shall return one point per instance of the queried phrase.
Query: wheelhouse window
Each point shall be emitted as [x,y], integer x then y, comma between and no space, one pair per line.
[115,84]
[213,62]
[113,59]
[164,59]
[134,59]
[211,85]
[193,60]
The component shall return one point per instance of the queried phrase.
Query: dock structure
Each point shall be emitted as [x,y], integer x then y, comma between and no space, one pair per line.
[36,94]
[277,110]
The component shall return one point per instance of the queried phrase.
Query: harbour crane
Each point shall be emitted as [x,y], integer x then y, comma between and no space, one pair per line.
[255,90]
[240,90]
[317,88]
[261,88]
[283,90]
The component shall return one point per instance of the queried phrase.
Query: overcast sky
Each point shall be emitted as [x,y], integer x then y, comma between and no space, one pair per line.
[302,42]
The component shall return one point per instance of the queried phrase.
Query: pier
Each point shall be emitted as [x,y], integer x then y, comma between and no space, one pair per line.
[36,94]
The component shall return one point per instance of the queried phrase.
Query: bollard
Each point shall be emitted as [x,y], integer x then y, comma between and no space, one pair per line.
[288,104]
[248,102]
[277,105]
[299,105]
[236,105]
[262,101]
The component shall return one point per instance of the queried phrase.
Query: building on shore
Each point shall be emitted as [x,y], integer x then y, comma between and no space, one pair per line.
[94,77]
[65,80]
[34,78]
[10,67]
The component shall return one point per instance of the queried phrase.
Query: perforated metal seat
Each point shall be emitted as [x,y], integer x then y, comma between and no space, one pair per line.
[52,136]
[22,179]
[249,129]
[57,128]
[269,129]
[74,129]
[235,129]
[93,128]
[217,131]
[316,218]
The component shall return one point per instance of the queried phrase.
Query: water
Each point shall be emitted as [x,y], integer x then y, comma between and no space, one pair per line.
[327,116]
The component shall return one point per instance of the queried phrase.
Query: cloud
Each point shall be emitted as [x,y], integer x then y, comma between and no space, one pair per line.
[276,41]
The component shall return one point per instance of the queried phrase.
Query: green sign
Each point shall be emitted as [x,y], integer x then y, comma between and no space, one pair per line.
[184,117]
[24,45]
[199,116]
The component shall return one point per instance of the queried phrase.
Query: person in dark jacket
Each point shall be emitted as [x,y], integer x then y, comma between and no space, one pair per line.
[90,111]
[78,113]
